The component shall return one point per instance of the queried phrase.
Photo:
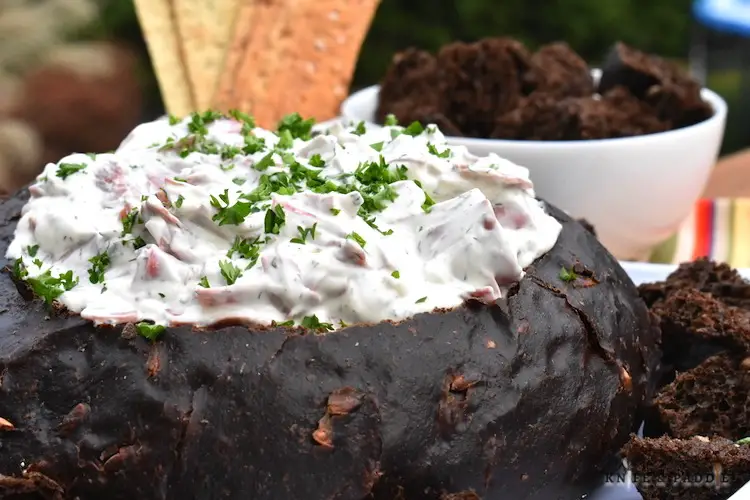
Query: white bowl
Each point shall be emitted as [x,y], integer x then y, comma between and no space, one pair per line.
[636,191]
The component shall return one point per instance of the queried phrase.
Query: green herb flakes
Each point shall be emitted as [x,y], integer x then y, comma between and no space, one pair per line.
[313,323]
[567,275]
[304,232]
[99,265]
[356,237]
[274,219]
[64,170]
[150,330]
[229,271]
[229,214]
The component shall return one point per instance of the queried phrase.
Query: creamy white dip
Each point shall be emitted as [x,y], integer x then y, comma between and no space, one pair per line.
[210,219]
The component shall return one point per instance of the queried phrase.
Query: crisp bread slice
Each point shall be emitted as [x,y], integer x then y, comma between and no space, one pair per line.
[162,38]
[206,28]
[294,56]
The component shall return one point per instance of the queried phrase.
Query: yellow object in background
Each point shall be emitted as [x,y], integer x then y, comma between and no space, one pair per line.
[718,229]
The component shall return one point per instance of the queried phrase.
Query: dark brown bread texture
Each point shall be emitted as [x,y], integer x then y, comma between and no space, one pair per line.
[703,310]
[682,469]
[527,399]
[667,87]
[497,88]
[712,399]
[548,117]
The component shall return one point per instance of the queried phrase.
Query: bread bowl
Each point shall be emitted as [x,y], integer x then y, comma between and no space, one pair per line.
[524,391]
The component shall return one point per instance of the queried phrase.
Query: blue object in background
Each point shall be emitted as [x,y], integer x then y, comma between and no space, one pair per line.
[720,47]
[726,16]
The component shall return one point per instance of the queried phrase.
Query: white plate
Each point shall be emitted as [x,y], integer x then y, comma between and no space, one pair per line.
[641,272]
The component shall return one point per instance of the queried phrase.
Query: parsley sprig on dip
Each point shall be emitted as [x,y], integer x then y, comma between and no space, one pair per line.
[210,218]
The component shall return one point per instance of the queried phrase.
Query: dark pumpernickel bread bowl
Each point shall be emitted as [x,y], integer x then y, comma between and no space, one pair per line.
[527,400]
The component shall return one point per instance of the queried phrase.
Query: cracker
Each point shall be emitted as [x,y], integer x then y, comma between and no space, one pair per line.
[227,93]
[299,56]
[162,38]
[206,28]
[322,54]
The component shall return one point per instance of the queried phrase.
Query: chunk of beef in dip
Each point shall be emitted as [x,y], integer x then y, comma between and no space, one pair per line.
[210,219]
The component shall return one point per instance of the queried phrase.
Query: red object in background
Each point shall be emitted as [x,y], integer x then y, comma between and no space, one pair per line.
[87,104]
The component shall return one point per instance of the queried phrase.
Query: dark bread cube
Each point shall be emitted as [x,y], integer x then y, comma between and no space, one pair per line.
[712,400]
[675,96]
[659,464]
[558,70]
[410,82]
[480,80]
[543,116]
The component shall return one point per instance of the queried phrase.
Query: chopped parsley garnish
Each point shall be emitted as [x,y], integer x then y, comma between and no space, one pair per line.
[391,120]
[239,181]
[274,220]
[67,169]
[360,129]
[286,140]
[253,145]
[180,179]
[371,222]
[227,168]
[242,117]
[316,161]
[129,221]
[265,162]
[150,330]
[419,301]
[178,202]
[49,287]
[414,129]
[32,250]
[297,127]
[226,214]
[204,282]
[378,146]
[19,269]
[428,201]
[138,242]
[229,152]
[567,275]
[173,120]
[335,211]
[313,323]
[356,237]
[245,248]
[287,323]
[229,271]
[396,274]
[304,232]
[433,151]
[99,264]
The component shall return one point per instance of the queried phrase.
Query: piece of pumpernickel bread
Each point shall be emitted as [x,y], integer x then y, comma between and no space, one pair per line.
[712,399]
[548,117]
[718,279]
[702,309]
[661,83]
[687,469]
